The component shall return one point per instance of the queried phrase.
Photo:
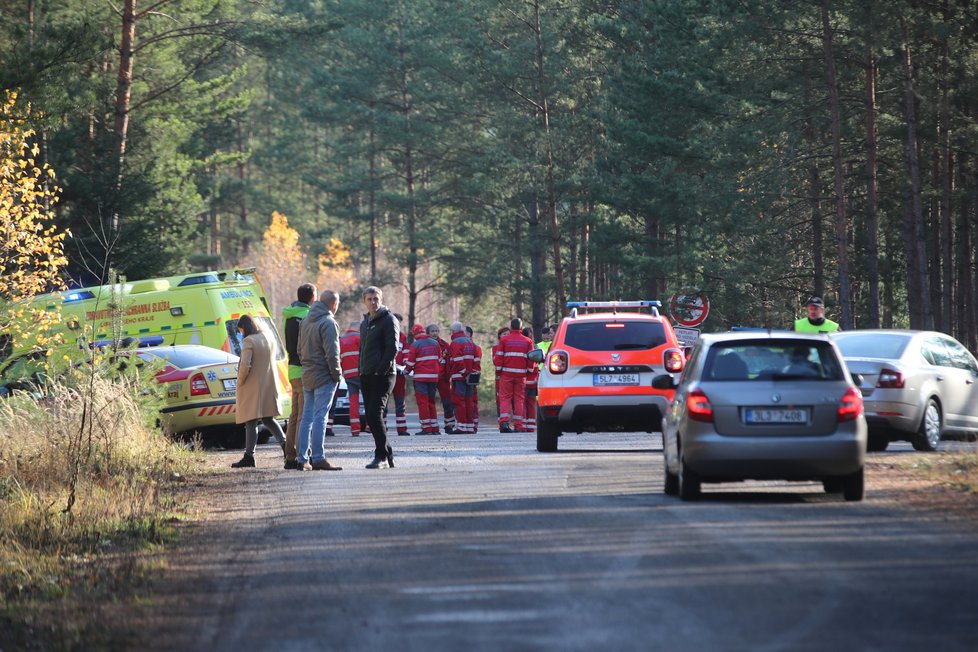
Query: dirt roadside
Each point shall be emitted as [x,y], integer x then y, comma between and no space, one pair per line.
[943,484]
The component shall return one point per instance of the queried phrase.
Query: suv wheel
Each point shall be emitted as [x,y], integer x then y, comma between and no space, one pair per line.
[877,443]
[547,433]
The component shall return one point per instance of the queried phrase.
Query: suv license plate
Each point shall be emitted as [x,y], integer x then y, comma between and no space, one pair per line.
[616,379]
[754,415]
[230,383]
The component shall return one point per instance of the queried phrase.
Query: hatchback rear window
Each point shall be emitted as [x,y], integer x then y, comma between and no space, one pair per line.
[740,361]
[615,335]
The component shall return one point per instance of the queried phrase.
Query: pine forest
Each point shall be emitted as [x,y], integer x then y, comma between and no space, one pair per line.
[483,159]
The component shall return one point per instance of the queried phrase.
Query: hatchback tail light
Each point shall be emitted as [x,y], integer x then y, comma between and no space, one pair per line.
[198,385]
[672,360]
[698,406]
[557,362]
[890,379]
[851,405]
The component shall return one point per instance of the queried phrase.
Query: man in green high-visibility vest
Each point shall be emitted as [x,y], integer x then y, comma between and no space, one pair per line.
[815,322]
[548,337]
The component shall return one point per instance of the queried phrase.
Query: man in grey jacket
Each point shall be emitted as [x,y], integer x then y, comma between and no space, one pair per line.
[319,352]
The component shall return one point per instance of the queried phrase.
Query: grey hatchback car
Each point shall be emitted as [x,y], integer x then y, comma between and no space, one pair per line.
[764,406]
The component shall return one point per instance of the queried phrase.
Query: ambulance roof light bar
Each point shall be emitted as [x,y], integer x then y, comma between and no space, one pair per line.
[652,305]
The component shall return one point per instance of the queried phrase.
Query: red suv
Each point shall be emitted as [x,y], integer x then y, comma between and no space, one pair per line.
[597,374]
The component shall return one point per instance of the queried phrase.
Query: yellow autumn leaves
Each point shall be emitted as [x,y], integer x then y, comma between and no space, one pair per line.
[31,250]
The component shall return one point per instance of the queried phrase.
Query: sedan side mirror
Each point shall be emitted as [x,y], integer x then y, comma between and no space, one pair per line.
[664,381]
[536,355]
[857,379]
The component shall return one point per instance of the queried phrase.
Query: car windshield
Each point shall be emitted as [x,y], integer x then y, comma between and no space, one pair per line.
[872,345]
[772,360]
[191,356]
[615,335]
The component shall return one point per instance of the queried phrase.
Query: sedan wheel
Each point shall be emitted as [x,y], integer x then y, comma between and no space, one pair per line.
[929,433]
[877,443]
[689,482]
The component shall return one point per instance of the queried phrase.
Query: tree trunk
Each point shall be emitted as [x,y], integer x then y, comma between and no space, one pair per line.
[815,201]
[872,210]
[123,95]
[538,299]
[921,316]
[966,312]
[652,248]
[245,252]
[544,103]
[946,177]
[841,217]
[372,207]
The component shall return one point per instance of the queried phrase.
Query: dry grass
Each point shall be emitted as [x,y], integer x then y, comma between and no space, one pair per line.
[83,503]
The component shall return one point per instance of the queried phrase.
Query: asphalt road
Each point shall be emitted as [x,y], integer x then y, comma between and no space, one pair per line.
[478,542]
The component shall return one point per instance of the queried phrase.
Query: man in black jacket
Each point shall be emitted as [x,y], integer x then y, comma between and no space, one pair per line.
[379,335]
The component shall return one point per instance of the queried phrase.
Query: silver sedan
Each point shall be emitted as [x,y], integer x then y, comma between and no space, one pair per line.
[764,406]
[921,386]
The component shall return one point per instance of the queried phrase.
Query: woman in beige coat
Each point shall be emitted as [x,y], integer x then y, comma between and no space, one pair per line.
[257,394]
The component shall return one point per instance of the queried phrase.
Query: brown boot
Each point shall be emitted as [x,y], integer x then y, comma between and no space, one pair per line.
[325,466]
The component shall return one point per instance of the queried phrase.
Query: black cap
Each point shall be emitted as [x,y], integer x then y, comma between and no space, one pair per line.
[814,301]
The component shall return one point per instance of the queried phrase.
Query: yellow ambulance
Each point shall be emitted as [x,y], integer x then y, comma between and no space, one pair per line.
[199,308]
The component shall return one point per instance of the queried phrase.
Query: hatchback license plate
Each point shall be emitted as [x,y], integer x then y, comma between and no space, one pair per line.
[616,379]
[755,415]
[230,383]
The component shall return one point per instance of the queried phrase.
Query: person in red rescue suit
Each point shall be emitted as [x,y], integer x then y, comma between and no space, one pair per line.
[350,364]
[400,385]
[461,364]
[500,334]
[444,383]
[476,367]
[532,376]
[513,364]
[426,365]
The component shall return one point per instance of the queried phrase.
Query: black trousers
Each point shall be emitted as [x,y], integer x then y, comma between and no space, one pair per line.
[376,392]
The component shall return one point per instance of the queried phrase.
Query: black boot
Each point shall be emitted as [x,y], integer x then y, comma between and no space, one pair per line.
[247,461]
[378,463]
[390,457]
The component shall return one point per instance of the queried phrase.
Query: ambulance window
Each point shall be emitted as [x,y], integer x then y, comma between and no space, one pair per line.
[234,336]
[197,280]
[269,327]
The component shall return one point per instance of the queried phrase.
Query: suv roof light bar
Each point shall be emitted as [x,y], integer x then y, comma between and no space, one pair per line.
[652,305]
